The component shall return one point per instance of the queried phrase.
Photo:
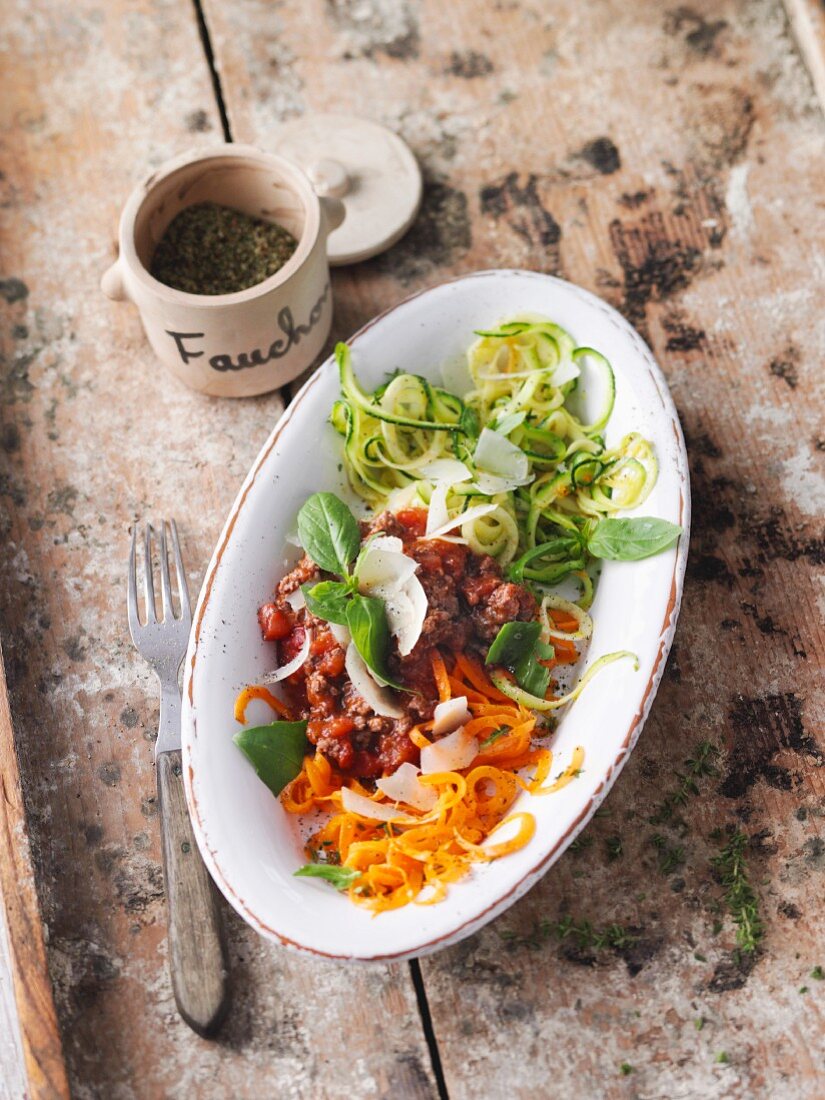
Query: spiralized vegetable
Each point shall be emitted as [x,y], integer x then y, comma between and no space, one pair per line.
[471,822]
[529,382]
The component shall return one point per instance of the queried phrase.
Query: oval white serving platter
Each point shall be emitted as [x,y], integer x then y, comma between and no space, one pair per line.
[250,844]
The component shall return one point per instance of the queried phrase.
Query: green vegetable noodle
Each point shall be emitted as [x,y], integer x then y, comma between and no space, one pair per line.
[527,439]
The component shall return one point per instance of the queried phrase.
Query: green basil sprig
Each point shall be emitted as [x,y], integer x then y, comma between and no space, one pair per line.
[517,646]
[330,535]
[275,751]
[340,877]
[617,539]
[631,539]
[328,600]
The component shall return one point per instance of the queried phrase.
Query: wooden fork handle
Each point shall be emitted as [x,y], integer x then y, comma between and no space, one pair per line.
[197,952]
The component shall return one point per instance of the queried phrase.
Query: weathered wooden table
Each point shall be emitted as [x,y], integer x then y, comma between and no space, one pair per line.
[668,157]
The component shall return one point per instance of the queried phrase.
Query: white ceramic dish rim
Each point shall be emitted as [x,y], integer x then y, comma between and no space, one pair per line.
[501,902]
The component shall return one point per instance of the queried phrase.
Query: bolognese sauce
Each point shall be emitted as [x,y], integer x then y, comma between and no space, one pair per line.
[468,598]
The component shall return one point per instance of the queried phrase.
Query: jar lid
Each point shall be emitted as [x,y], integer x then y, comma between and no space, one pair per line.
[368,167]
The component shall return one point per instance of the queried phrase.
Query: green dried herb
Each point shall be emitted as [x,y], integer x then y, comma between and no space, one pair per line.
[585,936]
[671,857]
[613,844]
[740,896]
[212,249]
[702,763]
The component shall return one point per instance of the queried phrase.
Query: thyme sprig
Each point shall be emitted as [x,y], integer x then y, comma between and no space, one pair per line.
[740,896]
[584,840]
[671,856]
[582,932]
[701,763]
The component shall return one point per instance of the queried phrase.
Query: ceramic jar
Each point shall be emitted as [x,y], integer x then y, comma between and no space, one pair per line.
[231,345]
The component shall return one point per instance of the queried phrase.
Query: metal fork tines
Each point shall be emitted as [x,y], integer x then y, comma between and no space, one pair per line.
[161,640]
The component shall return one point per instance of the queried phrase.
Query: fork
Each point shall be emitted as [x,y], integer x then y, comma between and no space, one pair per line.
[197,952]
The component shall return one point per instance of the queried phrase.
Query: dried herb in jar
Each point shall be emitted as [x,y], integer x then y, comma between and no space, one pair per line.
[212,249]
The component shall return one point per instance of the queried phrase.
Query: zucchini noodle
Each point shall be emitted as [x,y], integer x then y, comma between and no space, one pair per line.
[536,388]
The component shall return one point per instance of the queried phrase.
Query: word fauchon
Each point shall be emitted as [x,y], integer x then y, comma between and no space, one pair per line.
[255,358]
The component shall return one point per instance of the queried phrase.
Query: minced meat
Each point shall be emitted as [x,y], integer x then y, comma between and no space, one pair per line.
[468,601]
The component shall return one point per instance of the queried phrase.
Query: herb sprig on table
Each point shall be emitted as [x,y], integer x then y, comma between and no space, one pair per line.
[581,932]
[740,896]
[701,763]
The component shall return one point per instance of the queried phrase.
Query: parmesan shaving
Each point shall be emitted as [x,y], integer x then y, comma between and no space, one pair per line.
[378,698]
[457,750]
[404,786]
[291,666]
[355,803]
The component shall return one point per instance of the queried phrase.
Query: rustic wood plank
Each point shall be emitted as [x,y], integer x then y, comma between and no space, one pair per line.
[31,1055]
[670,158]
[94,434]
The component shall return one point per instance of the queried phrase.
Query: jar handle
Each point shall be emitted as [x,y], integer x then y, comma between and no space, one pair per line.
[112,283]
[334,211]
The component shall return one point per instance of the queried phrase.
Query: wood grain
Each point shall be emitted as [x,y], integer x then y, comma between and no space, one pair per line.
[35,1028]
[93,436]
[197,953]
[669,158]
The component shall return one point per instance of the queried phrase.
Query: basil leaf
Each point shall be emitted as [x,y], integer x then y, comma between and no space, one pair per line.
[517,646]
[340,877]
[532,676]
[632,539]
[512,641]
[275,751]
[329,532]
[367,622]
[328,600]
